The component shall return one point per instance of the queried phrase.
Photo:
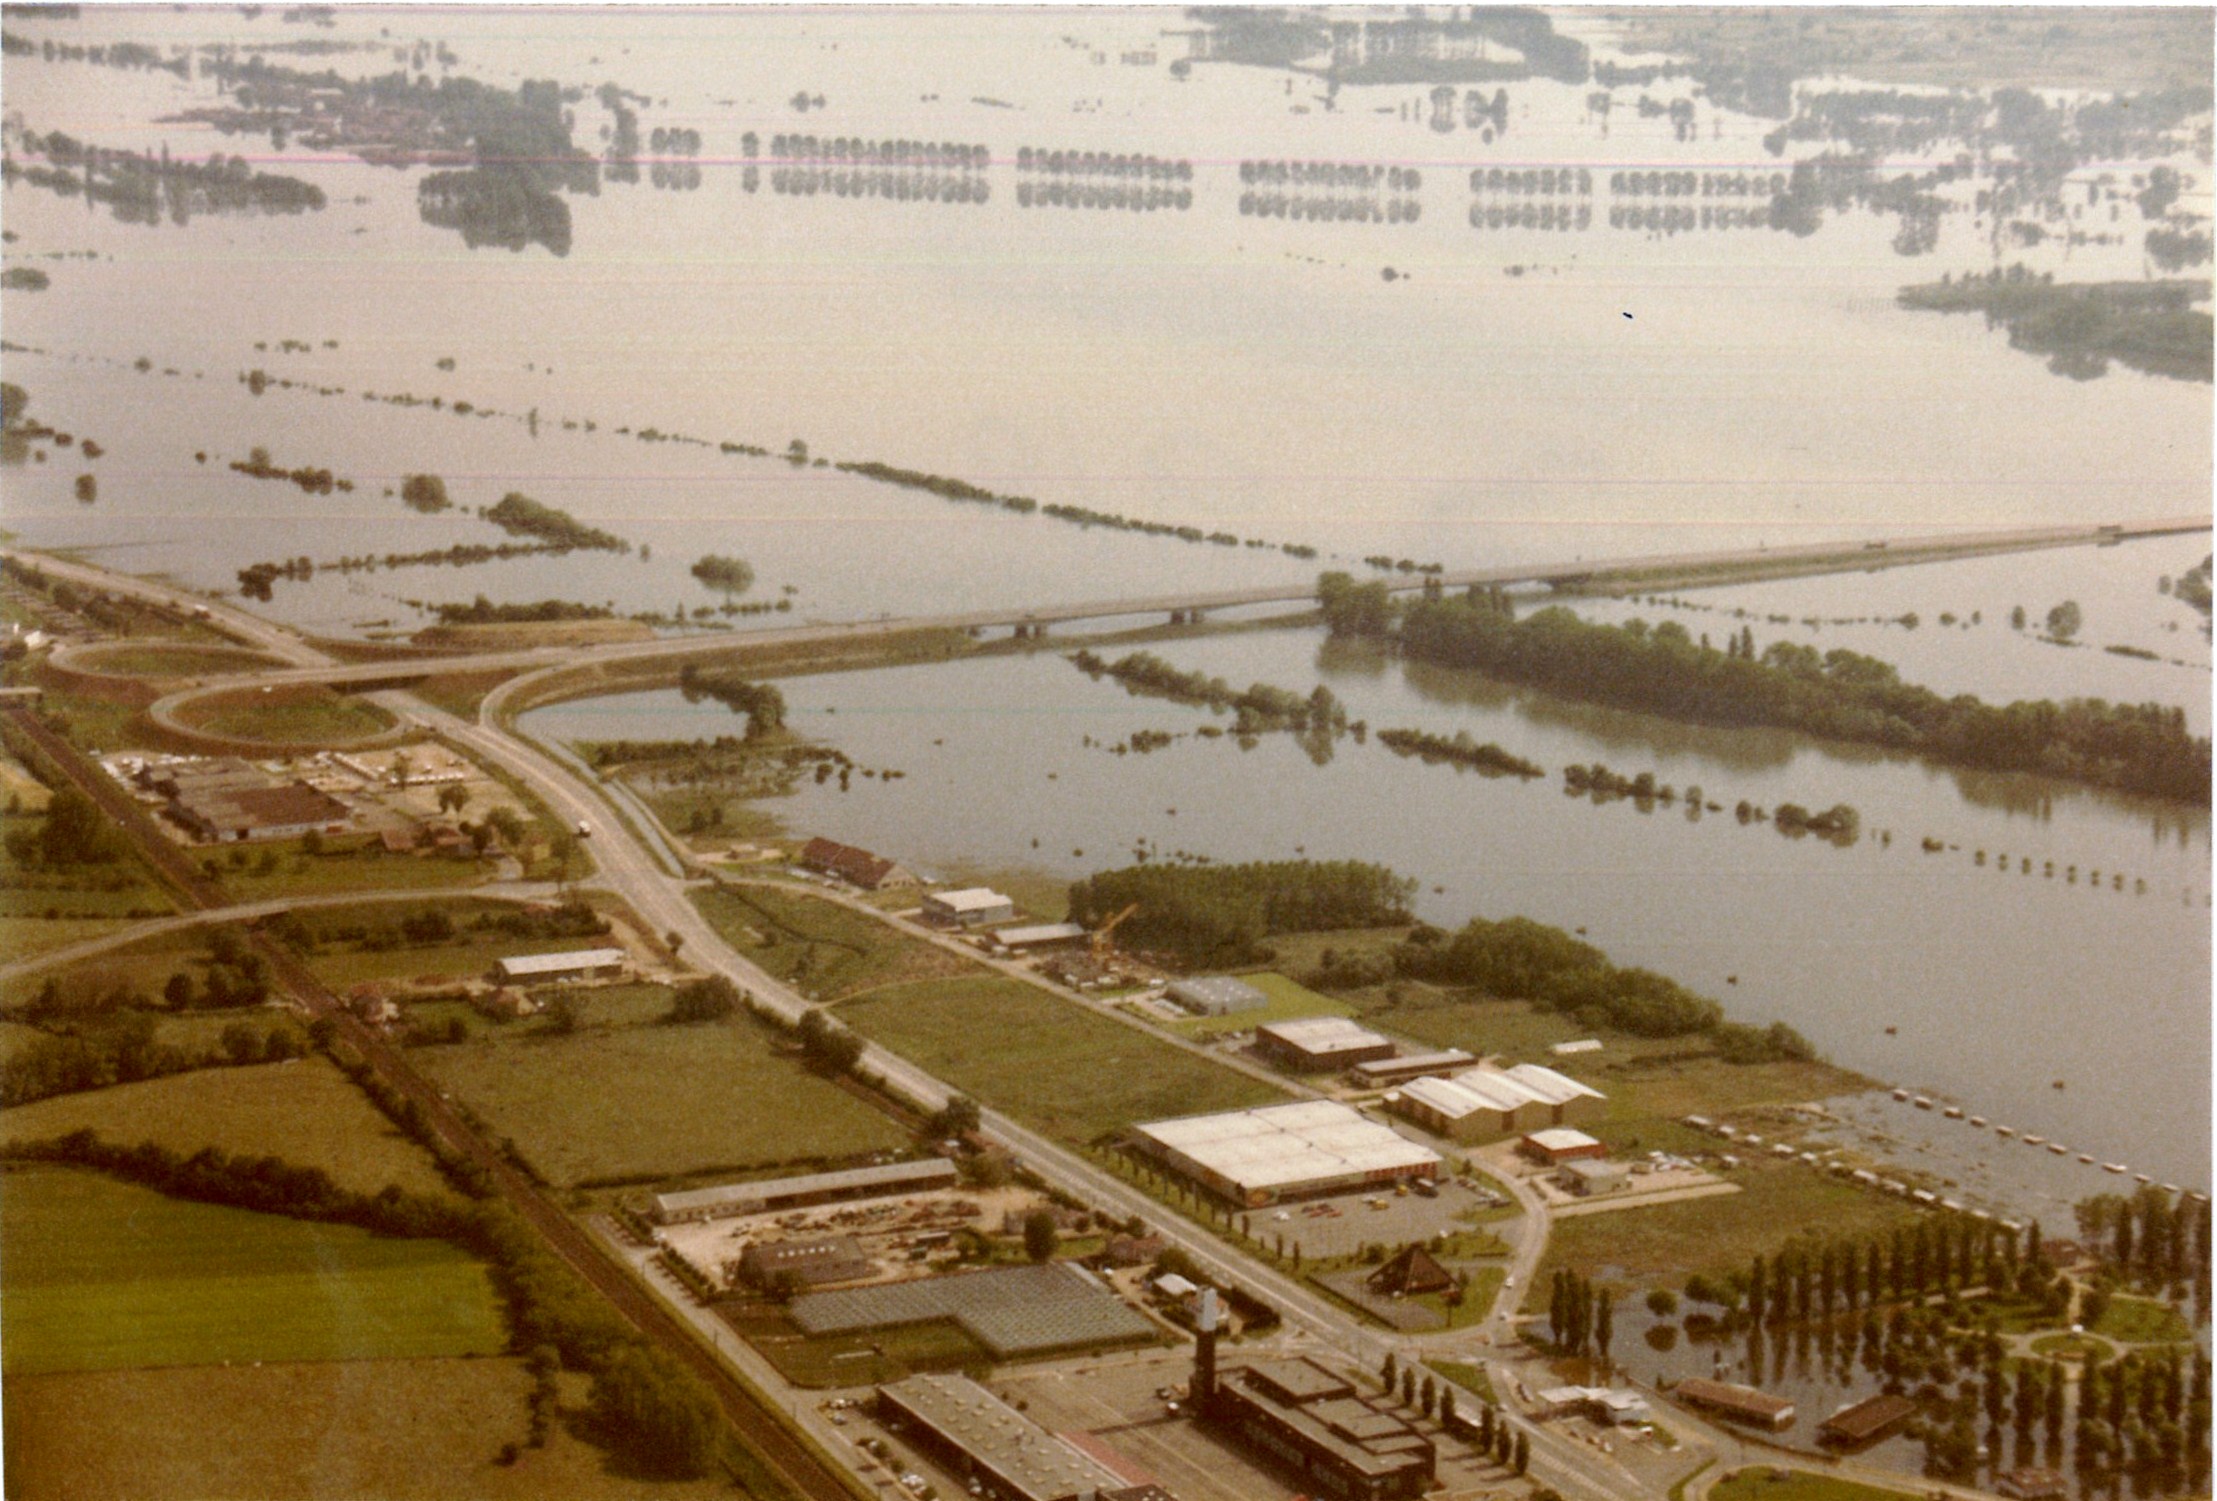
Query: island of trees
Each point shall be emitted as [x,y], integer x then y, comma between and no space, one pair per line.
[1840,694]
[730,575]
[1259,707]
[519,515]
[2149,326]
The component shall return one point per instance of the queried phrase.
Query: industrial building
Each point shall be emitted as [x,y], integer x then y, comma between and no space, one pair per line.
[811,1262]
[857,867]
[1867,1421]
[810,1188]
[229,801]
[1301,1150]
[1313,1423]
[1608,1406]
[1013,1312]
[1742,1404]
[1383,1073]
[576,964]
[1319,1044]
[989,1444]
[1484,1104]
[1594,1178]
[1039,935]
[1216,995]
[1560,1144]
[973,907]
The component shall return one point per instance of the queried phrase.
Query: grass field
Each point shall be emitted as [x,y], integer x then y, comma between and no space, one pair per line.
[177,660]
[1471,1378]
[828,950]
[304,1111]
[346,864]
[1661,1244]
[297,714]
[26,937]
[366,1430]
[1763,1484]
[2141,1321]
[1289,1000]
[643,1103]
[459,693]
[1052,1064]
[103,1274]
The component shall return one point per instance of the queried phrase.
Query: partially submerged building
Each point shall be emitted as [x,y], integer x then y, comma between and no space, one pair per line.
[1740,1404]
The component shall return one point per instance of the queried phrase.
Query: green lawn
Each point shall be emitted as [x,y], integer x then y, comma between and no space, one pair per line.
[154,659]
[304,1111]
[1659,1245]
[2141,1321]
[103,1274]
[27,937]
[646,1103]
[828,950]
[369,1430]
[1762,1484]
[1471,1378]
[297,714]
[1289,1000]
[1051,1063]
[346,864]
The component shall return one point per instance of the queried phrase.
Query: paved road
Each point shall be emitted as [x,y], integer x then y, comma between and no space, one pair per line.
[93,948]
[311,665]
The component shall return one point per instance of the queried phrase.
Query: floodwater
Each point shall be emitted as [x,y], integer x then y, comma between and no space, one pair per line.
[1503,394]
[1996,982]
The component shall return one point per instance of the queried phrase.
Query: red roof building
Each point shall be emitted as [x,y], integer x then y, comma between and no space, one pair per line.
[856,867]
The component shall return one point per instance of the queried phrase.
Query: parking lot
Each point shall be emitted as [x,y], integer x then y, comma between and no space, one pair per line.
[1345,1223]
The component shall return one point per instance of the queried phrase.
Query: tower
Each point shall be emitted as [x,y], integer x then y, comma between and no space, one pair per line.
[1204,1352]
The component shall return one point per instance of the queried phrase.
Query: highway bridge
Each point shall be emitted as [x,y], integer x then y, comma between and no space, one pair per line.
[1658,570]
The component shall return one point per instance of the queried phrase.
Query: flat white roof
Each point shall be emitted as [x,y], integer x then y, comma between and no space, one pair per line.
[1050,932]
[1583,1045]
[1323,1034]
[1287,1144]
[1561,1139]
[971,899]
[542,964]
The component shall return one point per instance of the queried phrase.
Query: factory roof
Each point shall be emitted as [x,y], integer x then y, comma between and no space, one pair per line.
[1867,1419]
[1032,1462]
[1323,1034]
[891,1176]
[1561,1139]
[1549,1087]
[970,899]
[1282,1144]
[1018,1310]
[1730,1397]
[1445,1061]
[1218,993]
[1050,932]
[557,964]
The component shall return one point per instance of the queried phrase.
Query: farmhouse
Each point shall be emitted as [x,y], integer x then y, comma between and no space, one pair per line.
[974,907]
[1315,1044]
[857,867]
[577,964]
[1301,1150]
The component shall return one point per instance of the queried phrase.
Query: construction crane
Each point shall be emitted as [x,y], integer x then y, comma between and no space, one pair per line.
[1100,936]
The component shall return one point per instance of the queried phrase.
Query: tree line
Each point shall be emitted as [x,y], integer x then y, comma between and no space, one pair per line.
[762,703]
[1257,708]
[519,515]
[1215,915]
[1839,694]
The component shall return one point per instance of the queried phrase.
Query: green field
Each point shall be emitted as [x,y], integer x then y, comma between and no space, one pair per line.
[1289,1001]
[367,1430]
[823,948]
[345,864]
[103,1274]
[177,660]
[305,1112]
[1762,1484]
[1052,1064]
[642,1103]
[298,714]
[2141,1321]
[27,937]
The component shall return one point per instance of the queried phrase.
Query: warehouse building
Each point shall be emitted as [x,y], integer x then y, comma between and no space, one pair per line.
[973,907]
[1593,1178]
[1383,1073]
[810,1188]
[1564,1100]
[1216,995]
[1314,1424]
[857,867]
[1741,1404]
[1320,1044]
[1296,1151]
[1558,1145]
[987,1443]
[1012,1312]
[810,1262]
[1039,936]
[576,964]
[1469,1107]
